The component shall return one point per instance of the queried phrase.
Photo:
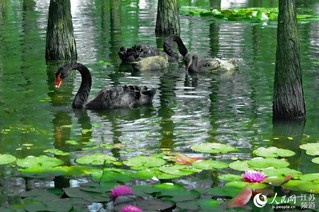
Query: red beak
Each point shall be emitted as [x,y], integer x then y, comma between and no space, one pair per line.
[58,81]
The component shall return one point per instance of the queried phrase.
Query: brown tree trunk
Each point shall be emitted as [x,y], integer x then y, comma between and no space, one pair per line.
[167,21]
[288,99]
[60,42]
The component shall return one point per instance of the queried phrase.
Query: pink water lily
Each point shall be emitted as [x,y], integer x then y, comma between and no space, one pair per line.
[130,208]
[121,190]
[253,176]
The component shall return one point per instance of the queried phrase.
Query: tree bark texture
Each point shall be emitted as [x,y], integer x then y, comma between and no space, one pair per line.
[167,21]
[60,41]
[288,99]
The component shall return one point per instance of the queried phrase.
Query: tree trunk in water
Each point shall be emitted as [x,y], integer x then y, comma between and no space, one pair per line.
[167,21]
[288,99]
[60,42]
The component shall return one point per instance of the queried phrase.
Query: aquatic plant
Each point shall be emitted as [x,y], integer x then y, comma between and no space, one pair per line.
[130,208]
[121,190]
[253,176]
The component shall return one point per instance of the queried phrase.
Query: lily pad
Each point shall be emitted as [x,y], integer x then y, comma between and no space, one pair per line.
[310,177]
[281,172]
[239,165]
[112,175]
[315,160]
[96,159]
[301,185]
[230,177]
[41,161]
[178,170]
[273,152]
[56,152]
[259,163]
[209,164]
[142,162]
[7,159]
[213,148]
[311,148]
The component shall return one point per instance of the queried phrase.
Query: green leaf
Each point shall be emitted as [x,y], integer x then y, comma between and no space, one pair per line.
[41,161]
[56,152]
[142,162]
[230,177]
[273,152]
[315,160]
[209,205]
[96,159]
[311,148]
[7,159]
[239,165]
[281,172]
[209,164]
[301,185]
[310,177]
[178,170]
[213,148]
[259,163]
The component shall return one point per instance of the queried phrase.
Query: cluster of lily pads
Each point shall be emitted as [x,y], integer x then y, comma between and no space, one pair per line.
[161,175]
[242,14]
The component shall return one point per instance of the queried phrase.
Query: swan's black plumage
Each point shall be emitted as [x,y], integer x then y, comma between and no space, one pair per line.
[139,52]
[111,98]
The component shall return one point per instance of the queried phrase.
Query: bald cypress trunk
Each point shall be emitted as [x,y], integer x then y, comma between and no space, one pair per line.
[60,42]
[288,99]
[167,21]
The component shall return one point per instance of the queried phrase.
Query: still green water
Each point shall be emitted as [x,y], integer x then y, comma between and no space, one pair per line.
[187,109]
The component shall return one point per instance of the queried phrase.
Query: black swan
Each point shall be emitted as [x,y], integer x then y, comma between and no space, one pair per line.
[213,65]
[139,52]
[114,97]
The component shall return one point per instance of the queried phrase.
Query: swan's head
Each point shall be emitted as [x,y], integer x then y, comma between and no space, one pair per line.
[189,61]
[63,73]
[59,76]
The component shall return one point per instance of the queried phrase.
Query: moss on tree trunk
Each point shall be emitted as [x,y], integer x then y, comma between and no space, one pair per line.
[288,99]
[167,21]
[60,42]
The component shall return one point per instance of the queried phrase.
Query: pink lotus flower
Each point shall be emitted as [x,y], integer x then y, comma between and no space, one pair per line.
[130,208]
[121,190]
[253,176]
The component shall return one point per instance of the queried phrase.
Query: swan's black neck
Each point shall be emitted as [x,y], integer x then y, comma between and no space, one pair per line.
[168,46]
[85,87]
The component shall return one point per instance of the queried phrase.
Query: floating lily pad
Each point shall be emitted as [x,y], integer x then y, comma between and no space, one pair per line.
[301,185]
[41,161]
[209,164]
[315,160]
[208,205]
[77,192]
[273,152]
[311,148]
[267,162]
[142,162]
[310,177]
[281,172]
[7,159]
[178,170]
[96,159]
[224,192]
[230,177]
[56,152]
[239,165]
[213,148]
[112,175]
